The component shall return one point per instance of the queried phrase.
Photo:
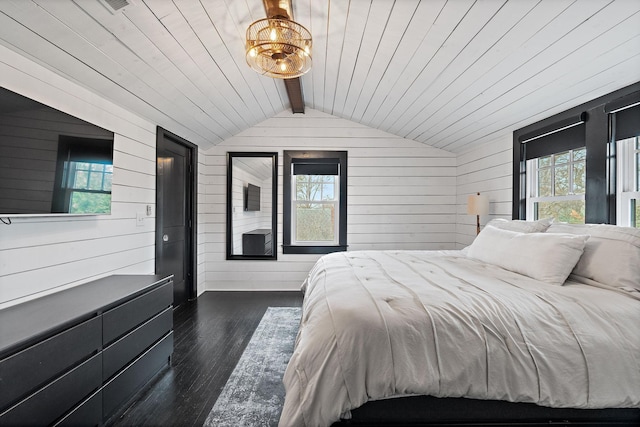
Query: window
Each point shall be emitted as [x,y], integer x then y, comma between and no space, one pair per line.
[595,125]
[88,186]
[315,208]
[315,202]
[628,182]
[84,174]
[556,186]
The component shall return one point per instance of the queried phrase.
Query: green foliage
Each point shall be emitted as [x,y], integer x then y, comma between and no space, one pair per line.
[571,211]
[315,223]
[90,203]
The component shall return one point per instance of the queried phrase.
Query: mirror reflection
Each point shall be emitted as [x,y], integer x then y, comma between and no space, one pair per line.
[251,205]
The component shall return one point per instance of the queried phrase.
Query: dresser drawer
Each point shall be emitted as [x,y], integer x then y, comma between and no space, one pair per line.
[23,372]
[52,401]
[127,348]
[120,320]
[129,381]
[86,414]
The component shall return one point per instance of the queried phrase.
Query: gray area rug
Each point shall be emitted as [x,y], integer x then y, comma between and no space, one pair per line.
[254,394]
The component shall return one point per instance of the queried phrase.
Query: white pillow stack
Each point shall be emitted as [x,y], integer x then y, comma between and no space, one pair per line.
[611,256]
[548,257]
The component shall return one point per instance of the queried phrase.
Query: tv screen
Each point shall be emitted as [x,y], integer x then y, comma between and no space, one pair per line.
[50,161]
[253,198]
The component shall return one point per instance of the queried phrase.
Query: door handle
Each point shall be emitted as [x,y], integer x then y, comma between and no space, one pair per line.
[165,237]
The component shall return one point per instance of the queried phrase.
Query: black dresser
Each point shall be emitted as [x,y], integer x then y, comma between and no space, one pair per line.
[77,356]
[257,242]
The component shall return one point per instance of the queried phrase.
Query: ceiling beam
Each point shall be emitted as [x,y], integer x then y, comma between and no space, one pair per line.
[283,9]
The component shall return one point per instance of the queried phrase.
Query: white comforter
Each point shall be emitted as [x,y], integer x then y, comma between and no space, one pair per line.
[386,323]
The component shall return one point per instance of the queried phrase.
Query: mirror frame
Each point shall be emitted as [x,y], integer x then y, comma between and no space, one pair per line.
[274,203]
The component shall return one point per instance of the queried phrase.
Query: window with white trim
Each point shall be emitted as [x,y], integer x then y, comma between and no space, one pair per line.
[628,182]
[315,203]
[556,186]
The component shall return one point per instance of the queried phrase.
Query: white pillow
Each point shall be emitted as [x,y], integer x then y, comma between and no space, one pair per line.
[546,257]
[521,226]
[611,256]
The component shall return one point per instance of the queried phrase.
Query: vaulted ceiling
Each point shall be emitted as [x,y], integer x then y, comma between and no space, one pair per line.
[446,73]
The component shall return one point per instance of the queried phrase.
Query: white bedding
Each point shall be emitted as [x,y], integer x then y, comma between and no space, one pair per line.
[385,323]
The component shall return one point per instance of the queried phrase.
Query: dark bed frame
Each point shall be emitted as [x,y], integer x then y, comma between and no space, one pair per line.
[433,411]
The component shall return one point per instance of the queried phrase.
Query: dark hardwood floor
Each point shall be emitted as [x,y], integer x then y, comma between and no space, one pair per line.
[210,336]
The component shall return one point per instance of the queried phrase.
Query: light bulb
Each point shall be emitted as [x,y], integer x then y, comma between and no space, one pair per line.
[283,66]
[273,35]
[253,53]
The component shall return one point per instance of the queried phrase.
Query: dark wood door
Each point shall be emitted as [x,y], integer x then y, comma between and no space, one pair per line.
[175,214]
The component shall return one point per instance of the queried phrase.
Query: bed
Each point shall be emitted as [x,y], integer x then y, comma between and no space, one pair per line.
[525,325]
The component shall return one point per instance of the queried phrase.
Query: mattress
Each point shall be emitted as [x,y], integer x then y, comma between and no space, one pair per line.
[381,324]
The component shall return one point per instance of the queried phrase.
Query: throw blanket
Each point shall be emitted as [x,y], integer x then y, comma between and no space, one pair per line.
[379,324]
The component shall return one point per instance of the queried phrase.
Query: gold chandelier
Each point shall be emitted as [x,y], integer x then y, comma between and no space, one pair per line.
[278,47]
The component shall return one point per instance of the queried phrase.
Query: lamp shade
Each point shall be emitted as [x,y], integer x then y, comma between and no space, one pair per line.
[477,204]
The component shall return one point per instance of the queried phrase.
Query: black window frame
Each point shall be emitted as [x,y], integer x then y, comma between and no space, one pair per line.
[591,124]
[289,158]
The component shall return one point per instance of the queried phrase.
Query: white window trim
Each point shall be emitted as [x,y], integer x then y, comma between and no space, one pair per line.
[336,209]
[626,181]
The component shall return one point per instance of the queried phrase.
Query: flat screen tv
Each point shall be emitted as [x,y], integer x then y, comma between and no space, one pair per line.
[51,163]
[253,198]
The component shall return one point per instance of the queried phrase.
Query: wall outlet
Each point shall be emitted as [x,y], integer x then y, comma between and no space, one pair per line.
[139,219]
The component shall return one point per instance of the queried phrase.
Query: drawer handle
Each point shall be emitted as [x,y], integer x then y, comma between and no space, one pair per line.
[165,238]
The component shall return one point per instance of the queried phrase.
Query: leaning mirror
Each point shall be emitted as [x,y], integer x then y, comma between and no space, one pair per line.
[252,183]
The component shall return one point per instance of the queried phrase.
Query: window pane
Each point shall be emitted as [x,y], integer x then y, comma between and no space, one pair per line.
[562,157]
[315,223]
[544,161]
[107,182]
[327,192]
[571,211]
[544,182]
[579,177]
[315,187]
[579,154]
[635,213]
[90,202]
[95,181]
[81,179]
[561,182]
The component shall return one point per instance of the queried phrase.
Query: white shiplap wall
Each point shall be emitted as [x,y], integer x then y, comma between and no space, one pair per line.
[401,195]
[486,169]
[44,254]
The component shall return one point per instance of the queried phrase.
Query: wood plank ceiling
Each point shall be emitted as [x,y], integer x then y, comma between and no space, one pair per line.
[450,74]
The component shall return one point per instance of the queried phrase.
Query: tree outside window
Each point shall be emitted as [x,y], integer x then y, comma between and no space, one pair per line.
[315,208]
[558,183]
